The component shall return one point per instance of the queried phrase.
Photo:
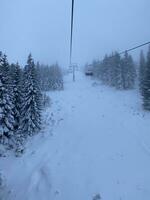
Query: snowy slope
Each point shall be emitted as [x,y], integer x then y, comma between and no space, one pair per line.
[98,143]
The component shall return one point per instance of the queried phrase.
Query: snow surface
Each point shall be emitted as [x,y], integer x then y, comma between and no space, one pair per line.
[96,142]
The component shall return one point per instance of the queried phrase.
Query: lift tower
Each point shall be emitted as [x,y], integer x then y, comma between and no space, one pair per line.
[71,40]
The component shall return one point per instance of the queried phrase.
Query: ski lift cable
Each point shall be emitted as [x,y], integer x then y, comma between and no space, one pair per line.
[71,39]
[131,49]
[136,47]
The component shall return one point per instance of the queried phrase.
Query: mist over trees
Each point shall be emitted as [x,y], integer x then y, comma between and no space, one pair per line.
[50,77]
[121,72]
[116,71]
[144,79]
[22,99]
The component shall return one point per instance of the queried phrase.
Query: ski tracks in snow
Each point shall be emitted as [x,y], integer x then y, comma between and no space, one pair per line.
[90,148]
[40,184]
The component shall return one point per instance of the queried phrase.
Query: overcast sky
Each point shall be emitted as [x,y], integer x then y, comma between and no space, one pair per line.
[43,28]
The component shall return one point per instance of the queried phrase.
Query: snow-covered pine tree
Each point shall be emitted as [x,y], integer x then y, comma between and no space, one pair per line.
[129,71]
[96,68]
[132,73]
[16,76]
[108,70]
[117,81]
[105,69]
[6,103]
[55,78]
[146,84]
[142,69]
[50,77]
[31,107]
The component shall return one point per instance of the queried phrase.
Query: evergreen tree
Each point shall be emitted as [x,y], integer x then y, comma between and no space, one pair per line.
[146,84]
[116,75]
[50,77]
[129,72]
[142,70]
[31,107]
[104,75]
[97,69]
[16,76]
[55,79]
[6,103]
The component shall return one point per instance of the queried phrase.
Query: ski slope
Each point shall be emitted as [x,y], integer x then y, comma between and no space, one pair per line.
[96,141]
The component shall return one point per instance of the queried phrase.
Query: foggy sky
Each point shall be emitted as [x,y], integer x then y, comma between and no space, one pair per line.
[42,27]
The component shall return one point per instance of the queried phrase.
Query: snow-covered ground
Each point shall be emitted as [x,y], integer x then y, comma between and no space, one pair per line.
[96,141]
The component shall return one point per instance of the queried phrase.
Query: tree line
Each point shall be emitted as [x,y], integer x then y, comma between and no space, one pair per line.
[122,73]
[116,71]
[21,100]
[50,77]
